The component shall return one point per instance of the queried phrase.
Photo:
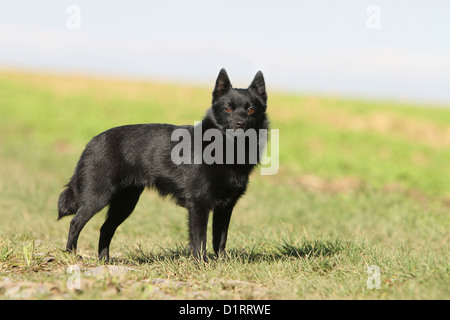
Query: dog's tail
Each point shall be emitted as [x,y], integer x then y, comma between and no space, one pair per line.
[68,202]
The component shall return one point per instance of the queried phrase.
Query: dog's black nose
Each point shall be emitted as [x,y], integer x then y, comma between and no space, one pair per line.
[239,125]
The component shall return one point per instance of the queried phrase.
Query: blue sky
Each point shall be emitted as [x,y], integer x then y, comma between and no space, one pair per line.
[321,46]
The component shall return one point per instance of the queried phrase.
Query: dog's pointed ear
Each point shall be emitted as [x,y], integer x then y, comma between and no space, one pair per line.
[223,85]
[258,86]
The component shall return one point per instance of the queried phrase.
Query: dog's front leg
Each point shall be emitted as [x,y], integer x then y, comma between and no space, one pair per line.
[198,223]
[221,220]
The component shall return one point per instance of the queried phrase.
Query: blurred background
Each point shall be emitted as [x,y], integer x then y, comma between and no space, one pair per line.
[377,48]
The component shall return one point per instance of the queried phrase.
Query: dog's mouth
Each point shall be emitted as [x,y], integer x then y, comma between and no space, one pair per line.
[239,127]
[235,132]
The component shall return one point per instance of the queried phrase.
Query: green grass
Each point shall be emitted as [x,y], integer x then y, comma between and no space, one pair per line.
[360,183]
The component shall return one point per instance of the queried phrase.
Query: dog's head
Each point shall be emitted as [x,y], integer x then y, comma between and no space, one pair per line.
[239,108]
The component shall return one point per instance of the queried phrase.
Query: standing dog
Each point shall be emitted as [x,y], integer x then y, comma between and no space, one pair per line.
[119,163]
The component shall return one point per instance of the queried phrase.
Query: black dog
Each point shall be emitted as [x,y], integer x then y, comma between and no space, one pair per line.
[119,163]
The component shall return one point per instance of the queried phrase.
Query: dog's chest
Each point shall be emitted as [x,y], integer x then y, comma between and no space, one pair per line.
[230,187]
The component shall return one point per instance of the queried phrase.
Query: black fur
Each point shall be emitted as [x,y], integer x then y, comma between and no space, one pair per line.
[119,163]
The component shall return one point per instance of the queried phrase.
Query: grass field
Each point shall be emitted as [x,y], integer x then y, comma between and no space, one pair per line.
[360,184]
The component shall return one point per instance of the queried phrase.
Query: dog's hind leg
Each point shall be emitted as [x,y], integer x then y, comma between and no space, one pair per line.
[121,206]
[83,215]
[85,212]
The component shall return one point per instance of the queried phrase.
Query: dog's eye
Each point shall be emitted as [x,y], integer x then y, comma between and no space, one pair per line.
[228,109]
[251,110]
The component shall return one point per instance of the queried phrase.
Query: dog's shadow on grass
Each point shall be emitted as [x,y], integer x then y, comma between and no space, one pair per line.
[308,249]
